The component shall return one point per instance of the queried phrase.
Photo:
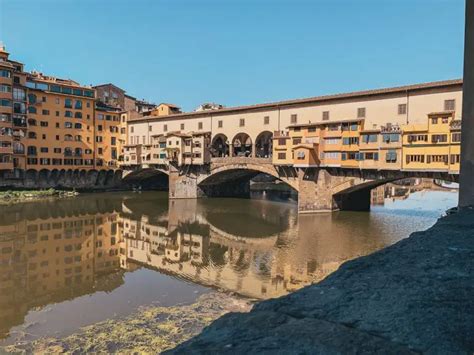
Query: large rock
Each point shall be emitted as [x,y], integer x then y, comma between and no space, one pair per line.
[417,295]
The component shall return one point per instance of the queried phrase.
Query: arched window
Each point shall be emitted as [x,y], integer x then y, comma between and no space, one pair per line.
[32,98]
[78,105]
[78,115]
[67,152]
[78,138]
[68,137]
[78,151]
[18,148]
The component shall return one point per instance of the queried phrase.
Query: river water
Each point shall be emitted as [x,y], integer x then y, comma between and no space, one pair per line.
[73,262]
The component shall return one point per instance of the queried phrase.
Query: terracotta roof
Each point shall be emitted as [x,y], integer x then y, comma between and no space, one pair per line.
[316,99]
[440,113]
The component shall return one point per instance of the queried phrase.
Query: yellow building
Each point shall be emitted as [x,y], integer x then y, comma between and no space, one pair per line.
[427,146]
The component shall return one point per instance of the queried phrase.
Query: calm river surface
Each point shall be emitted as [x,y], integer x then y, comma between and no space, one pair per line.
[69,263]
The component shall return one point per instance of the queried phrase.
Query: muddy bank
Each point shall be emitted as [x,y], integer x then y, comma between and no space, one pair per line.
[151,329]
[415,296]
[17,196]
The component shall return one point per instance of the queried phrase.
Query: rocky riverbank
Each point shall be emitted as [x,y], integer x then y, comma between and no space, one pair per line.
[150,330]
[415,296]
[17,196]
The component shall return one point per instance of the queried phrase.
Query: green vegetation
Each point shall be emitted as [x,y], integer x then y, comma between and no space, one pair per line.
[150,330]
[13,196]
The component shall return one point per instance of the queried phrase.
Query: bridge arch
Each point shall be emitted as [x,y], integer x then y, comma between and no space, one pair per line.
[150,178]
[233,179]
[242,145]
[220,146]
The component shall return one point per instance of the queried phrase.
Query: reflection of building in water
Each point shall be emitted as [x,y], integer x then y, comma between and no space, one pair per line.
[263,266]
[402,189]
[54,259]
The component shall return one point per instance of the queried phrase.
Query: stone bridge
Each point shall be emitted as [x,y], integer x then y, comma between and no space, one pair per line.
[319,189]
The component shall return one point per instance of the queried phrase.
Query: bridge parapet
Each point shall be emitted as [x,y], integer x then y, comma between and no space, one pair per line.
[241,160]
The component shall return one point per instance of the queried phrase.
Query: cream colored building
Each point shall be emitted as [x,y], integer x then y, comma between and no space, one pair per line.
[343,123]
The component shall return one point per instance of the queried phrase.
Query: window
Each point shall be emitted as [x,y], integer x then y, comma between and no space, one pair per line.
[5,73]
[5,88]
[369,138]
[450,105]
[439,138]
[331,141]
[19,107]
[391,156]
[402,109]
[78,125]
[444,120]
[219,124]
[281,141]
[78,115]
[350,140]
[67,124]
[417,138]
[266,120]
[294,118]
[78,138]
[98,139]
[68,137]
[330,155]
[415,159]
[113,140]
[66,90]
[311,129]
[390,137]
[165,128]
[200,125]
[31,150]
[182,126]
[456,137]
[242,122]
[67,103]
[281,156]
[131,129]
[354,127]
[44,123]
[361,112]
[5,102]
[31,109]
[32,98]
[296,141]
[455,158]
[57,113]
[325,115]
[434,120]
[57,150]
[437,159]
[68,114]
[44,149]
[45,112]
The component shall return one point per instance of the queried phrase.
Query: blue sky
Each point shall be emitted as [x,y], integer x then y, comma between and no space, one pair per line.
[237,52]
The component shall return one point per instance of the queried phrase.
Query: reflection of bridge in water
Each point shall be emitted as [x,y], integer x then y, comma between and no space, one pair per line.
[286,253]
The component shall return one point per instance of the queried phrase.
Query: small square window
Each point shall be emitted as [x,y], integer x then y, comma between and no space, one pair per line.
[242,122]
[266,120]
[402,109]
[294,118]
[449,105]
[325,115]
[219,124]
[361,112]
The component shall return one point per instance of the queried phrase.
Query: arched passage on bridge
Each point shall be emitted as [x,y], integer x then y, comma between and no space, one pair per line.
[148,179]
[263,145]
[220,146]
[242,145]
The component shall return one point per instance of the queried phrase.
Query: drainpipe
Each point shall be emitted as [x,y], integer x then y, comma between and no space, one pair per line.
[466,188]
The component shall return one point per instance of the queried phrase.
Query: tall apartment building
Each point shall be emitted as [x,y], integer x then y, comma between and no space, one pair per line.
[51,124]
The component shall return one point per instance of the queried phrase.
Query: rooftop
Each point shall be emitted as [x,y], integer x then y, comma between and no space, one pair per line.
[317,99]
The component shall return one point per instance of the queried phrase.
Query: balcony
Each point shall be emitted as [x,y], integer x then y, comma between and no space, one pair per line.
[6,166]
[6,150]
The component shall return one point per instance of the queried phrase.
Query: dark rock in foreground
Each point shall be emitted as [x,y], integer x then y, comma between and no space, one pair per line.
[415,296]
